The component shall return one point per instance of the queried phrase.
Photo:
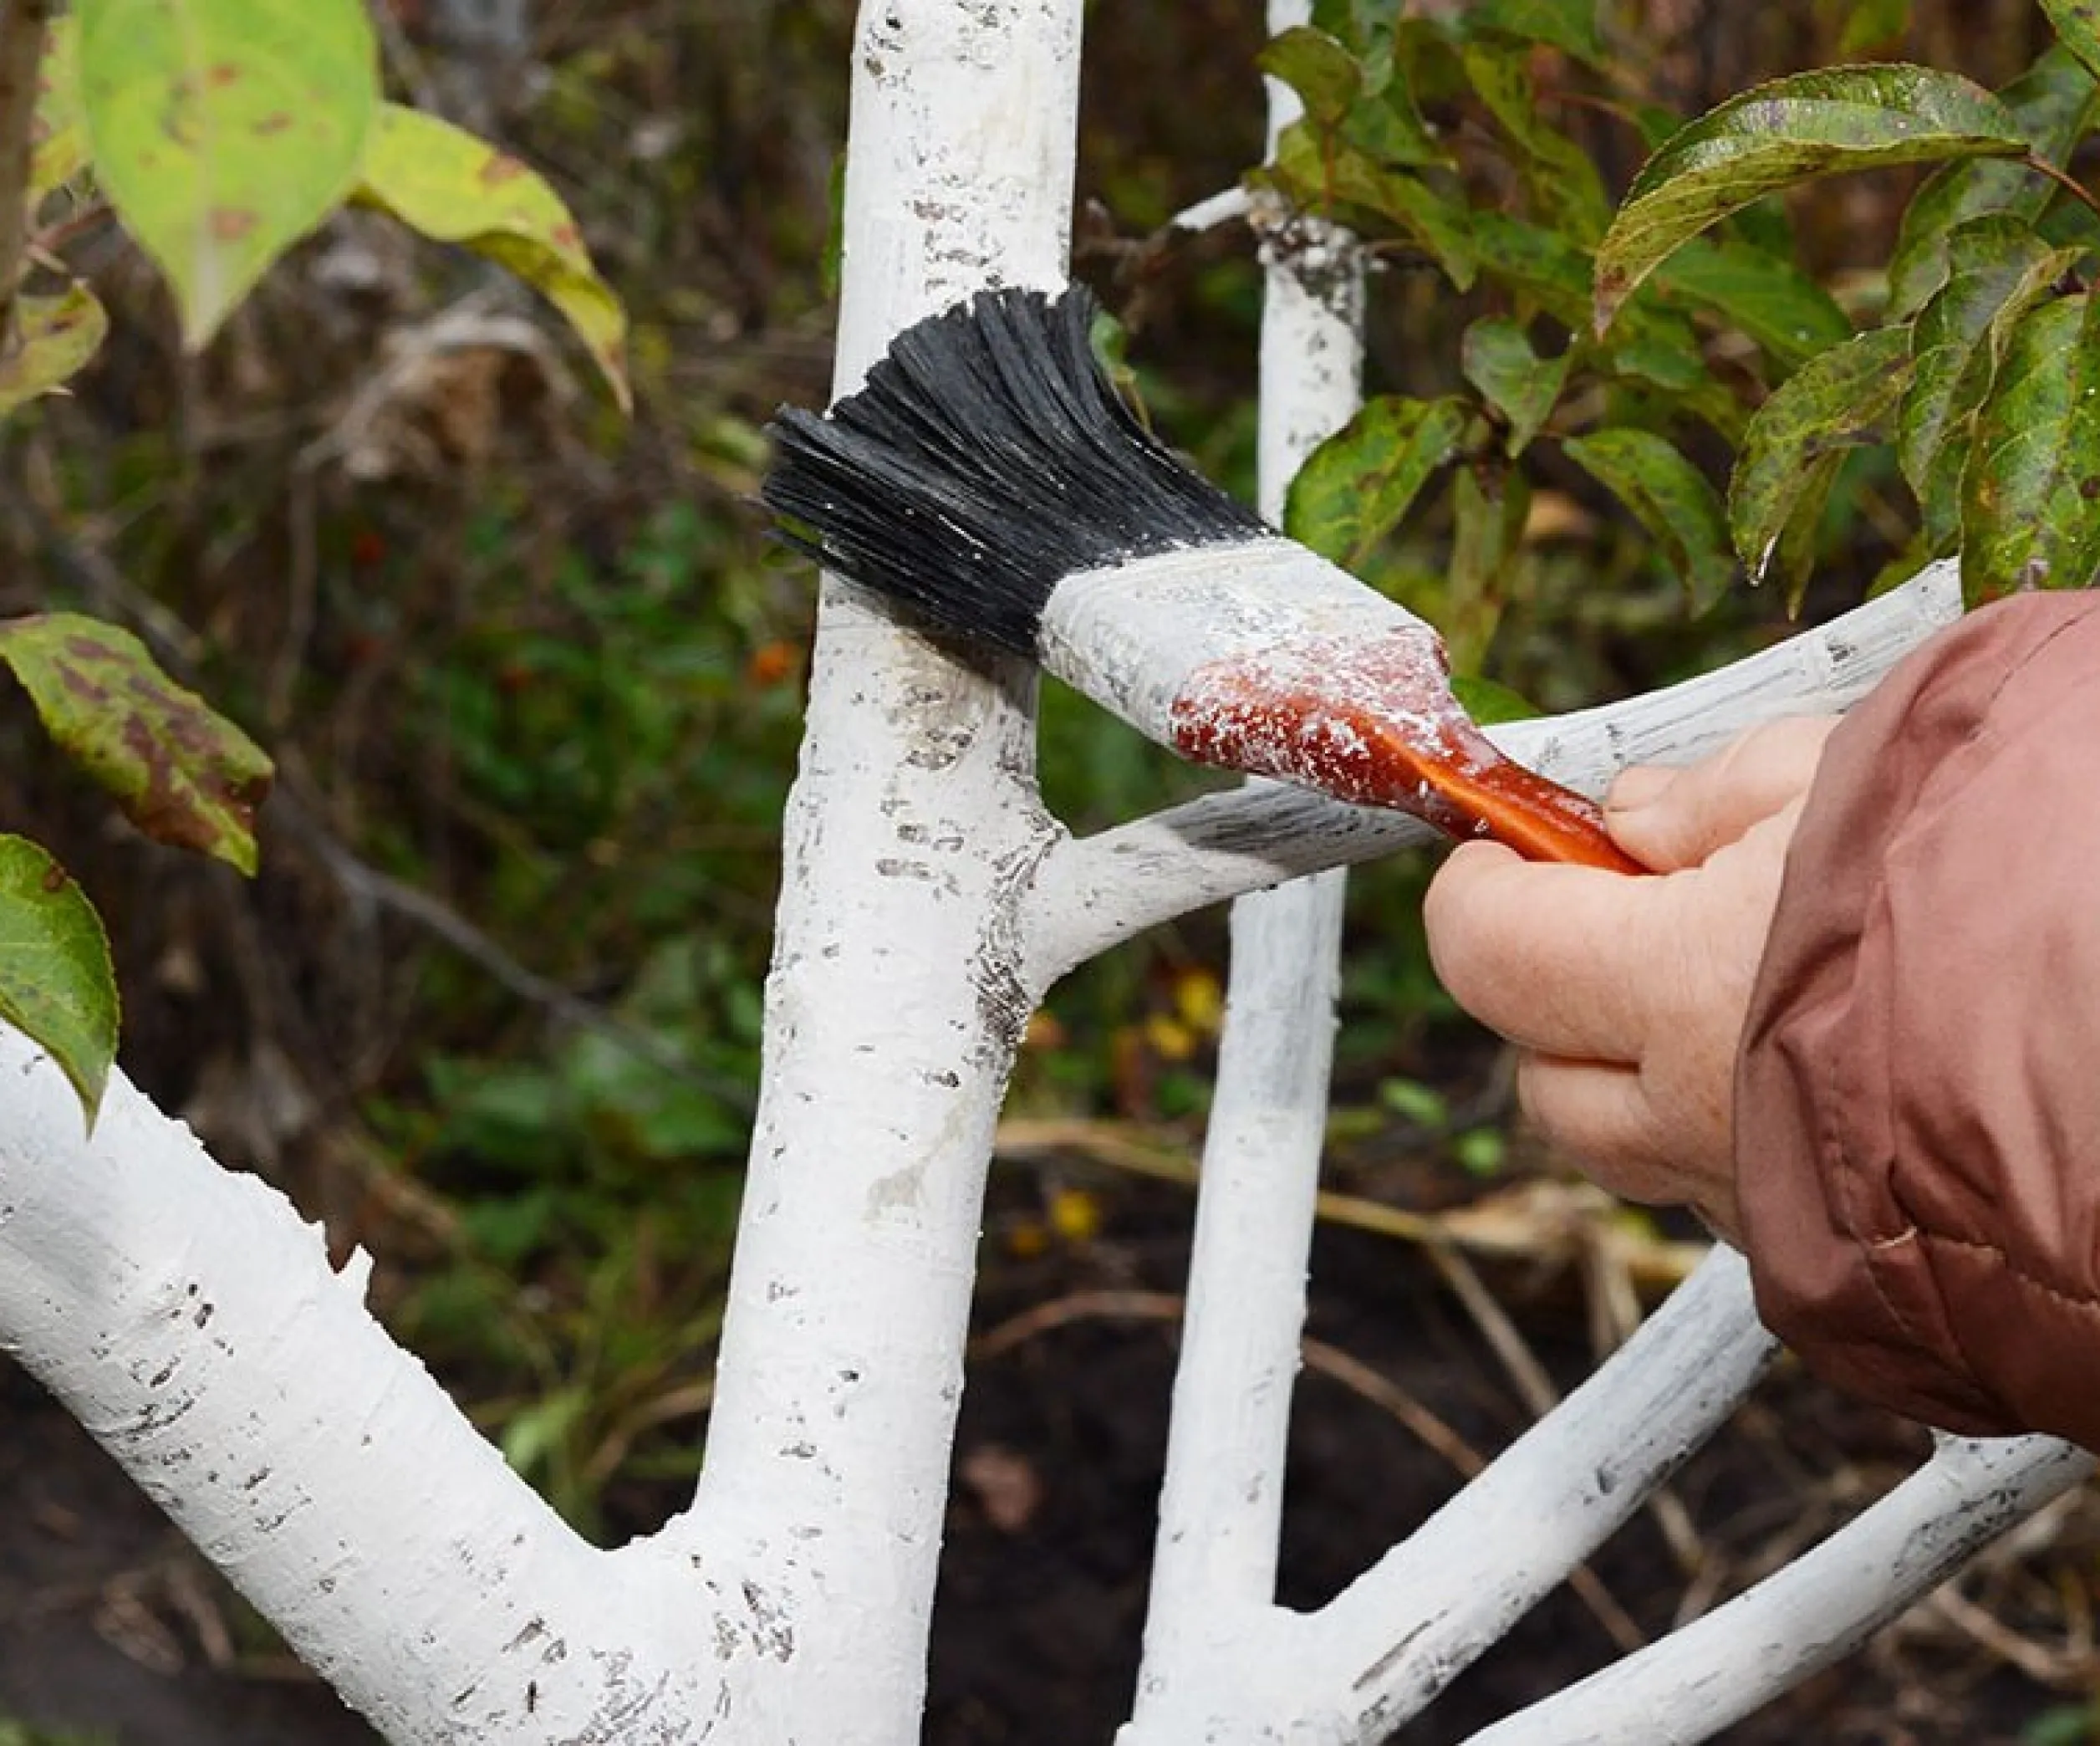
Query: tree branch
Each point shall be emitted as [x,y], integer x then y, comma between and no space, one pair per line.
[22,27]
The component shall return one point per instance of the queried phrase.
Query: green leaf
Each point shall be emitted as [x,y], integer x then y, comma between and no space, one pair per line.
[1661,347]
[1497,357]
[224,130]
[2031,495]
[57,986]
[1561,180]
[1764,295]
[1871,24]
[1388,129]
[1794,443]
[1336,180]
[57,137]
[2054,101]
[2077,23]
[1998,269]
[1488,701]
[1489,507]
[1325,76]
[182,773]
[1670,498]
[1359,485]
[442,181]
[1541,267]
[1567,25]
[1346,99]
[1651,343]
[1789,131]
[54,338]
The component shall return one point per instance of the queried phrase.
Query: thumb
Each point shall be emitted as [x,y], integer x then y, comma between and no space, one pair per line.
[1669,820]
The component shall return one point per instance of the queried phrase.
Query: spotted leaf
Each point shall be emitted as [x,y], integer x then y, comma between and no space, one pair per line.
[57,984]
[224,130]
[182,773]
[443,181]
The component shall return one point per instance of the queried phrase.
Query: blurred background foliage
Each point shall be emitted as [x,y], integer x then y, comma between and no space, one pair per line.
[532,672]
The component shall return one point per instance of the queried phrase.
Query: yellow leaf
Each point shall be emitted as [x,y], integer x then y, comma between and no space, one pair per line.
[54,338]
[224,130]
[443,181]
[1170,1038]
[1200,1001]
[1075,1215]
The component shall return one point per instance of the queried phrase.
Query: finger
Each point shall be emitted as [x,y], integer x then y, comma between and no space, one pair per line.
[1679,819]
[1555,957]
[1603,1118]
[1596,1113]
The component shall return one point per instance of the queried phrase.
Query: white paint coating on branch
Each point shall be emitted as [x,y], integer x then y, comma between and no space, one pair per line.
[190,1319]
[1821,1607]
[1220,1507]
[1351,1672]
[891,1017]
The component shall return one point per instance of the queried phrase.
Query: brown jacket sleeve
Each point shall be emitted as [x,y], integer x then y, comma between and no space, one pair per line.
[1917,1108]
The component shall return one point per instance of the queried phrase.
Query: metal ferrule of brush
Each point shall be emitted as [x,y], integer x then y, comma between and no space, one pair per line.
[1133,635]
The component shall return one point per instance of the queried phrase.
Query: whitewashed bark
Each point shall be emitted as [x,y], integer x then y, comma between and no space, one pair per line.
[1221,1505]
[1349,1673]
[191,1321]
[892,1015]
[1820,1608]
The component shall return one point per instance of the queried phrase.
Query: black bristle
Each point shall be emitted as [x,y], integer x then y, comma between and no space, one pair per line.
[988,457]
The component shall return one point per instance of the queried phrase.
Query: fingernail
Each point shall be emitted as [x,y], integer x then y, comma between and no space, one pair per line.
[1638,786]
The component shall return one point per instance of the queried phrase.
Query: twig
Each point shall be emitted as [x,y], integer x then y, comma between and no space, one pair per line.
[22,26]
[1567,1212]
[1065,1312]
[177,648]
[46,245]
[1427,1427]
[1526,1374]
[2064,179]
[2067,1668]
[366,884]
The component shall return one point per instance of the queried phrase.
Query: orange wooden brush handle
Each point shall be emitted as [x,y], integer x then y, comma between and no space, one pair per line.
[1540,819]
[1459,782]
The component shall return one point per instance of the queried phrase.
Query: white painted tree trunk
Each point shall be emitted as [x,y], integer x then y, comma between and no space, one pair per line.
[192,1322]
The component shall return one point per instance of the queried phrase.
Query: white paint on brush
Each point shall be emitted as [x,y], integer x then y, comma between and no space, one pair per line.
[1131,636]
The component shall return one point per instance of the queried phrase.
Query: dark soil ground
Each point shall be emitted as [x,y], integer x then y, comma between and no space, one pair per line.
[108,1623]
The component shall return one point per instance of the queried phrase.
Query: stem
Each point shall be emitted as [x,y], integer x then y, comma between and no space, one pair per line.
[2070,184]
[48,244]
[23,25]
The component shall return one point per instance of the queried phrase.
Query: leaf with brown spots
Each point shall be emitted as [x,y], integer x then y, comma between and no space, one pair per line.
[2030,489]
[1358,486]
[1777,135]
[442,181]
[2077,26]
[224,130]
[57,984]
[55,337]
[182,773]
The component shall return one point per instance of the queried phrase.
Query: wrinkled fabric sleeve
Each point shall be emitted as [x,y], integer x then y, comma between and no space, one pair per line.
[1918,1092]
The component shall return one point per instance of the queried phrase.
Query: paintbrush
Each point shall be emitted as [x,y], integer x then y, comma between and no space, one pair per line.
[989,479]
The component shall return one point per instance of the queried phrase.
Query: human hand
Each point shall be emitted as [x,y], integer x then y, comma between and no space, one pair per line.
[1627,995]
